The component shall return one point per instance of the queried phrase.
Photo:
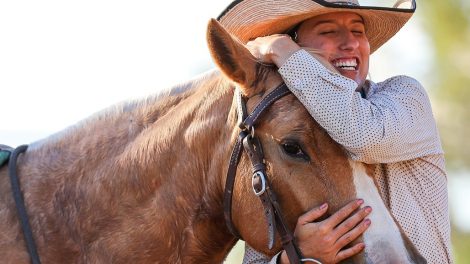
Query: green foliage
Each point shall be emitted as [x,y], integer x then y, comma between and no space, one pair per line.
[461,247]
[448,25]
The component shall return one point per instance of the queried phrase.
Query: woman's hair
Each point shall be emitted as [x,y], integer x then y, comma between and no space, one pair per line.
[293,32]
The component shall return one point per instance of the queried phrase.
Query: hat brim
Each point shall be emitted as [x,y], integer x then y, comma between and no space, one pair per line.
[250,19]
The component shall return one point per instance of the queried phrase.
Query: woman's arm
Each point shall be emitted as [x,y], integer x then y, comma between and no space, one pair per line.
[394,123]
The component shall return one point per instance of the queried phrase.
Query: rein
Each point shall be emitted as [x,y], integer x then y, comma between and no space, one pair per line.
[20,206]
[260,183]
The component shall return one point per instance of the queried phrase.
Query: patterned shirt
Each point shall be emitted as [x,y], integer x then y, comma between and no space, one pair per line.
[390,125]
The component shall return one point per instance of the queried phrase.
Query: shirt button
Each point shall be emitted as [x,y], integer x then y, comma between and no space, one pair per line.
[297,82]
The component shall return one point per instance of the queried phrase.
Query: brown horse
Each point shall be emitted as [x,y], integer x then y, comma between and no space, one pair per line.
[142,182]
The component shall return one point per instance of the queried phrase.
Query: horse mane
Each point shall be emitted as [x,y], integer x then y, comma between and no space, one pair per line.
[159,102]
[137,135]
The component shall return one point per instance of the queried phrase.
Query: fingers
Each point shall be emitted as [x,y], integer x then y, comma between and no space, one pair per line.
[353,234]
[269,38]
[349,252]
[343,213]
[313,214]
[328,238]
[352,221]
[272,49]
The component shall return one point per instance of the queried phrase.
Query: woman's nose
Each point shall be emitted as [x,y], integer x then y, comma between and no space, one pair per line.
[348,40]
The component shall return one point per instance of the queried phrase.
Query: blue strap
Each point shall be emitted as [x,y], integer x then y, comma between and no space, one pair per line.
[4,156]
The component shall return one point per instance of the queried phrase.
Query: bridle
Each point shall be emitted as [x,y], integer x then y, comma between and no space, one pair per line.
[260,183]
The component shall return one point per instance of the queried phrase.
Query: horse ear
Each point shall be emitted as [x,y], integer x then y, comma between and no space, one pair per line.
[230,55]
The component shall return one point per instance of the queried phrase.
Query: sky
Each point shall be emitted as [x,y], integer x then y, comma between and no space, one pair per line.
[61,61]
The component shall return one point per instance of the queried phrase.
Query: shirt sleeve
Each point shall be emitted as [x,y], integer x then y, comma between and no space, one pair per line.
[254,257]
[393,123]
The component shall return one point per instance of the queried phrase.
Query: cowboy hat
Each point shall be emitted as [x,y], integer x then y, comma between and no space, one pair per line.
[248,19]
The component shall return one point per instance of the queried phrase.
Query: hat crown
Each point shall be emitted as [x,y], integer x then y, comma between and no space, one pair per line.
[249,19]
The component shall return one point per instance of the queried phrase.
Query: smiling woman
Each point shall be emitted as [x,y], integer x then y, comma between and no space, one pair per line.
[323,31]
[387,124]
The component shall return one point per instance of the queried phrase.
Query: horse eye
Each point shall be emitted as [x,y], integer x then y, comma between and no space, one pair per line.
[294,150]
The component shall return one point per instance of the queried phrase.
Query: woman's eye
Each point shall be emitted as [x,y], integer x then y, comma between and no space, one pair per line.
[327,32]
[294,150]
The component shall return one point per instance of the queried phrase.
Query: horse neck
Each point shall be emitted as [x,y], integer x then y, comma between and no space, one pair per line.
[167,154]
[189,151]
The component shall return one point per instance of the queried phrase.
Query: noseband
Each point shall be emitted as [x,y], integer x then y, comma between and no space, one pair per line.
[260,183]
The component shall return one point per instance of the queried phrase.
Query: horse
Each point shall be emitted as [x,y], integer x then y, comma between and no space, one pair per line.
[143,181]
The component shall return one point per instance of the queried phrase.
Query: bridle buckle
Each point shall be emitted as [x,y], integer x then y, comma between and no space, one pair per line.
[258,179]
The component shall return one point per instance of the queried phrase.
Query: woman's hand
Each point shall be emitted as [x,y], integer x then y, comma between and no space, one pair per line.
[273,49]
[325,240]
[278,48]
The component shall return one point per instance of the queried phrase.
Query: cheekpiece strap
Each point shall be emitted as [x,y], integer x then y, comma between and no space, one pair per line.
[260,183]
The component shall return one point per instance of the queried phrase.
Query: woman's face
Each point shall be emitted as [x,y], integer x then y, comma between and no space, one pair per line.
[340,38]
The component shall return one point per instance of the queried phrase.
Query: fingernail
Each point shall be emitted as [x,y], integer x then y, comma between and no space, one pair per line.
[360,201]
[368,209]
[323,206]
[367,222]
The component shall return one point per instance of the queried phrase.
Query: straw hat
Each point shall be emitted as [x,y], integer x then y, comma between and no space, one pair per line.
[248,19]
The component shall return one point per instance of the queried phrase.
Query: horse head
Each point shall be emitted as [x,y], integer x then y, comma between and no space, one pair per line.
[305,166]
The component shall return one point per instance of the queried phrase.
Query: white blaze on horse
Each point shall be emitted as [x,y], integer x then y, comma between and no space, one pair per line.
[143,182]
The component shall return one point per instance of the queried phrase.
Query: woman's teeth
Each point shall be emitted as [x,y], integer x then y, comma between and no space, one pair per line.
[350,64]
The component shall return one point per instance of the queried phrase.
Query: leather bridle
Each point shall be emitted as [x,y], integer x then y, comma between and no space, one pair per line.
[260,182]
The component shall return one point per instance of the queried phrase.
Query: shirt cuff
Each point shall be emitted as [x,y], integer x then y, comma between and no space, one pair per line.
[276,258]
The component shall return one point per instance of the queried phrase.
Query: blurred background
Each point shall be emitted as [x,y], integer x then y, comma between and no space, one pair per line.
[61,61]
